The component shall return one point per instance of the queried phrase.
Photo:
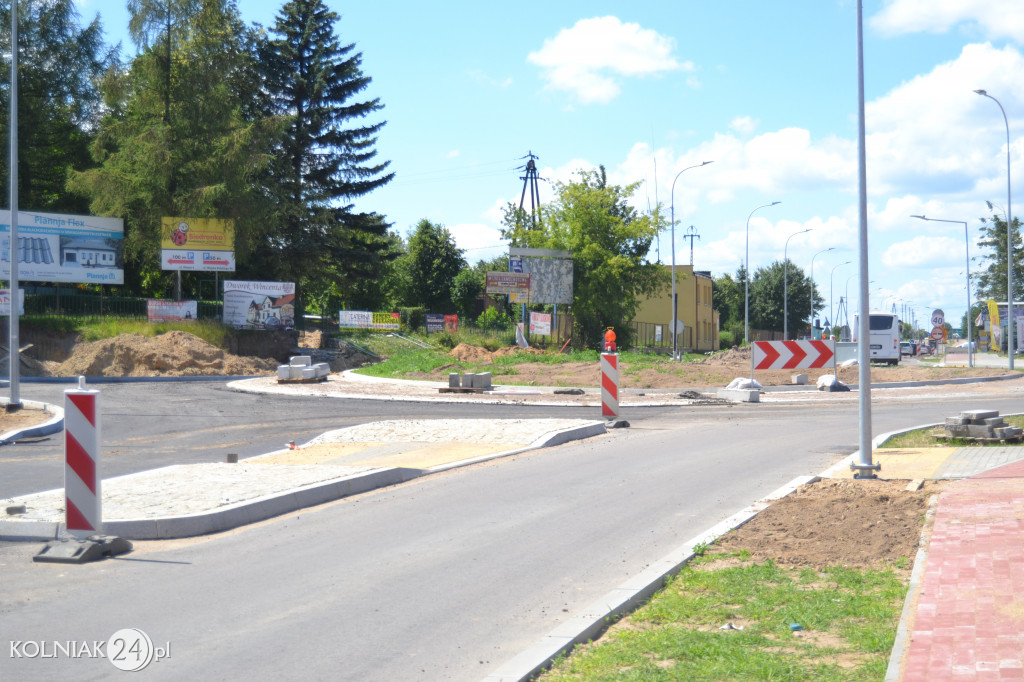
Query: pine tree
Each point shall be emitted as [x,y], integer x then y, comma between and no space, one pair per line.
[324,160]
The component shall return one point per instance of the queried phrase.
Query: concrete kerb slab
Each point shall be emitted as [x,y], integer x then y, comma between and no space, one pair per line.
[54,425]
[257,509]
[626,597]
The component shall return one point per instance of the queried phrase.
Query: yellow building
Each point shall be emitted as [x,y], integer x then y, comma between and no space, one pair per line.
[699,330]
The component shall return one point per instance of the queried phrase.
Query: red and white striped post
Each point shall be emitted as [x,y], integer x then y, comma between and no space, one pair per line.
[82,460]
[609,378]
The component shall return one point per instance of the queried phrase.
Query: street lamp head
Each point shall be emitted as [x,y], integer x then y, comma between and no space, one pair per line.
[989,204]
[919,217]
[706,163]
[981,92]
[774,203]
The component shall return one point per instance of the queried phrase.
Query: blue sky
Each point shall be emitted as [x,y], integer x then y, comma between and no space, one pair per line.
[767,91]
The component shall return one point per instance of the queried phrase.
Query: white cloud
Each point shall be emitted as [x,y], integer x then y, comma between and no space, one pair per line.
[924,252]
[744,125]
[453,154]
[995,19]
[590,58]
[934,134]
[479,241]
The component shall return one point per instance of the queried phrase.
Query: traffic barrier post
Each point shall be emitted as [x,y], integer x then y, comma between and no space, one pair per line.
[81,461]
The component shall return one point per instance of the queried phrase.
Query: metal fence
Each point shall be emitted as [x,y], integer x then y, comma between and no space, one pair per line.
[56,303]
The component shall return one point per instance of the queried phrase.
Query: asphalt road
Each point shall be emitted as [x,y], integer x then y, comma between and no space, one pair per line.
[146,425]
[443,578]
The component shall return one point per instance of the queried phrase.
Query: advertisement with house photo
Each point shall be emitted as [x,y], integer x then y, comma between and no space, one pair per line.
[259,305]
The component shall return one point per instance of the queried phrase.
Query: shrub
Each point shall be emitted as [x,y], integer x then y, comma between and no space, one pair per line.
[726,340]
[493,320]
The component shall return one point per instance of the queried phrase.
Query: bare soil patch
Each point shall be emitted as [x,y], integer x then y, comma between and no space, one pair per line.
[844,522]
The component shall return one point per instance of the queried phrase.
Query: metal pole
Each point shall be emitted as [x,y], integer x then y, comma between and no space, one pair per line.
[1010,347]
[831,310]
[812,285]
[864,467]
[673,221]
[746,280]
[14,354]
[785,285]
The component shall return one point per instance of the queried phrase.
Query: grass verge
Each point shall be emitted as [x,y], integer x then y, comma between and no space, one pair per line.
[791,624]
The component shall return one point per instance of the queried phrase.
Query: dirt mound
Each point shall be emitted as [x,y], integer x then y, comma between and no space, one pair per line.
[734,357]
[467,353]
[174,354]
[514,350]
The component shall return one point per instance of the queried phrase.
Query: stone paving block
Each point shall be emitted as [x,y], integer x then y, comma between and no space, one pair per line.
[979,414]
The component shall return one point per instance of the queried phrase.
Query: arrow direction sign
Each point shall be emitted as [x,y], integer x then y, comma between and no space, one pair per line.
[792,354]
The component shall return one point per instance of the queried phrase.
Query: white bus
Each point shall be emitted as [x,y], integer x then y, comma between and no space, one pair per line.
[885,336]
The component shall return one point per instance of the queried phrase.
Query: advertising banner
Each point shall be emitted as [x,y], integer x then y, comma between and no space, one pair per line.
[64,248]
[5,302]
[507,283]
[364,319]
[451,324]
[540,323]
[435,323]
[259,305]
[159,310]
[206,244]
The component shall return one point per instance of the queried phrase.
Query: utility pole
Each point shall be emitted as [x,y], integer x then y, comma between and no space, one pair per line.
[530,182]
[691,234]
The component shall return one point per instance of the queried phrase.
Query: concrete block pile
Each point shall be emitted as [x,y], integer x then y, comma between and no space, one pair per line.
[300,368]
[981,424]
[481,380]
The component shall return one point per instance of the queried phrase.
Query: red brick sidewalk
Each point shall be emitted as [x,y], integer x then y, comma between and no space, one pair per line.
[969,622]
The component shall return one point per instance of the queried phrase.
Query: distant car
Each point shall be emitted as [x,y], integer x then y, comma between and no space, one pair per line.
[906,348]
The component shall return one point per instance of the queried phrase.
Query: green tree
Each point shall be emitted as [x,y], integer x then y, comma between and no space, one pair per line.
[324,159]
[609,241]
[767,299]
[990,282]
[434,263]
[197,162]
[466,287]
[60,63]
[727,294]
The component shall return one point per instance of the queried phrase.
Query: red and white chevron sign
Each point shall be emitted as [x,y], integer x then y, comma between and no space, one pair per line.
[792,354]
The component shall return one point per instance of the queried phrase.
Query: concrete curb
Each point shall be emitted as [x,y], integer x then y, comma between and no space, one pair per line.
[258,509]
[625,598]
[54,425]
[899,648]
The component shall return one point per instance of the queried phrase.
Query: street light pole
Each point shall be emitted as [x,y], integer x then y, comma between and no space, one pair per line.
[746,280]
[675,310]
[785,285]
[1010,347]
[967,245]
[831,310]
[812,285]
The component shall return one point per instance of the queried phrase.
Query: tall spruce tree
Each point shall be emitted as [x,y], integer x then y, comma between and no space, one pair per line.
[324,160]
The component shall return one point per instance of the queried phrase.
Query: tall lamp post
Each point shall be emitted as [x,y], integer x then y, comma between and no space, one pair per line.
[675,310]
[812,285]
[831,310]
[1010,347]
[967,252]
[785,285]
[746,280]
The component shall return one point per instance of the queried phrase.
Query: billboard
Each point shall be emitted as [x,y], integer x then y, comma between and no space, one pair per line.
[550,280]
[205,244]
[540,323]
[259,305]
[364,319]
[64,248]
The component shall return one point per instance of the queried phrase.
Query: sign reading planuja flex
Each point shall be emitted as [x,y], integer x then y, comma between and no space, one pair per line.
[64,248]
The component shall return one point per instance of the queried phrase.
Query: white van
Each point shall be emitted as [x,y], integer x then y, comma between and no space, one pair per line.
[885,336]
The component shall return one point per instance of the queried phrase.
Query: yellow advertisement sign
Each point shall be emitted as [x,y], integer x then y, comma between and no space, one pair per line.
[206,234]
[993,313]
